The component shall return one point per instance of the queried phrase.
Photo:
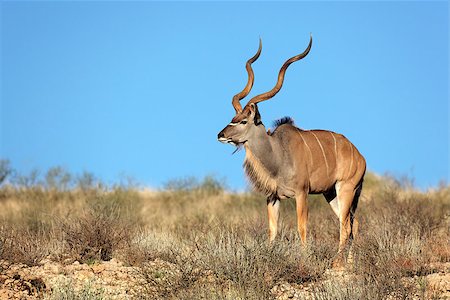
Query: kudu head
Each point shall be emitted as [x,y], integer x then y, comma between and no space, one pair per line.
[246,120]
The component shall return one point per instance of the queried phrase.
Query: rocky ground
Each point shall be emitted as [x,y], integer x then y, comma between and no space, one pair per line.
[114,280]
[101,280]
[437,285]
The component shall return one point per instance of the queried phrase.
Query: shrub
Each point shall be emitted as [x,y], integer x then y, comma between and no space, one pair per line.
[97,232]
[208,186]
[57,178]
[19,244]
[5,170]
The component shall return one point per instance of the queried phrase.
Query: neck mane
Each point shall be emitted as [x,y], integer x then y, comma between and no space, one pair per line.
[257,173]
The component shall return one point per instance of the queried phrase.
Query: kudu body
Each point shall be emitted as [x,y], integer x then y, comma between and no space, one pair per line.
[292,163]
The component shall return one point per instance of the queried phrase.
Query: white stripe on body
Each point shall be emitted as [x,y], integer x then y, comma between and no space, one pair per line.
[323,152]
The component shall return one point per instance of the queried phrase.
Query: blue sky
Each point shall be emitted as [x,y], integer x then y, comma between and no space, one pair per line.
[143,88]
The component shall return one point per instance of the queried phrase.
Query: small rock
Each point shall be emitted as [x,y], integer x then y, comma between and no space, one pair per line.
[9,281]
[83,275]
[53,268]
[45,261]
[98,268]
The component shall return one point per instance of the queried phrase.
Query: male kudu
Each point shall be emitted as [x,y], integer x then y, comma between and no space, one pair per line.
[291,162]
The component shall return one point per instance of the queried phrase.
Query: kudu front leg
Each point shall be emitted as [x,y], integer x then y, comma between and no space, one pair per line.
[302,214]
[273,206]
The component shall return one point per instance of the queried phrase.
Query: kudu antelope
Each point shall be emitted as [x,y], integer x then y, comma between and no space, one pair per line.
[292,162]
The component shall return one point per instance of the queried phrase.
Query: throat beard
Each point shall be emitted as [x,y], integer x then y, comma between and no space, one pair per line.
[258,175]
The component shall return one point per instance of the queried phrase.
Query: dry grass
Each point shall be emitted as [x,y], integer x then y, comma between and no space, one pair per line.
[215,242]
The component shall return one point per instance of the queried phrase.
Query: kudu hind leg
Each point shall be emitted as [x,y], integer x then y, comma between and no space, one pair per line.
[346,198]
[354,222]
[331,198]
[273,206]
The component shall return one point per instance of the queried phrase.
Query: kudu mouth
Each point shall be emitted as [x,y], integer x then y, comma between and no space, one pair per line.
[230,141]
[225,140]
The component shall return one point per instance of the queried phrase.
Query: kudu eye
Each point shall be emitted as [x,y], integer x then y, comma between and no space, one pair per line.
[243,122]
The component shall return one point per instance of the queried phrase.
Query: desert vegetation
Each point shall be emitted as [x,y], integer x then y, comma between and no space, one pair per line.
[66,236]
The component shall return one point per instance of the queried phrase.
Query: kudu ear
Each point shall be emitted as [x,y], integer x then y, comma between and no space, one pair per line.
[254,113]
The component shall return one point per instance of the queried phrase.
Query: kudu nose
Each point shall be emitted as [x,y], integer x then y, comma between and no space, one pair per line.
[220,135]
